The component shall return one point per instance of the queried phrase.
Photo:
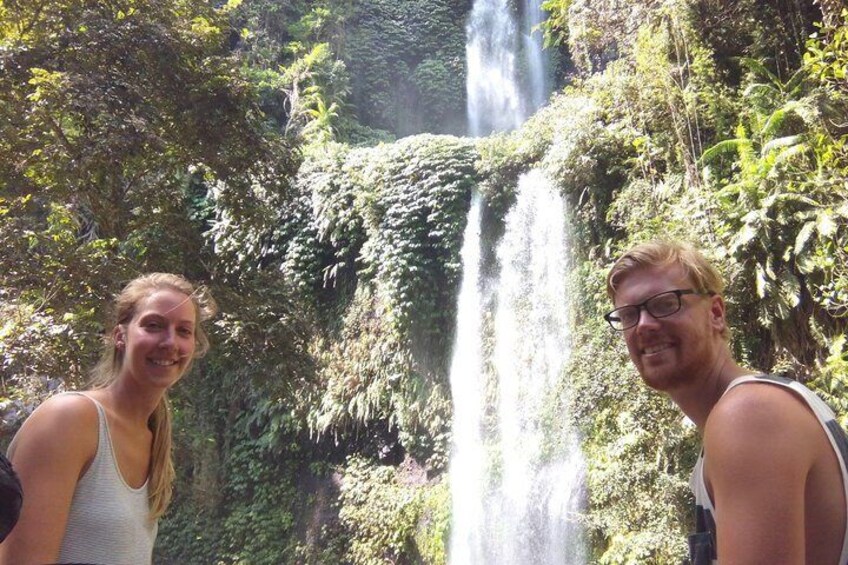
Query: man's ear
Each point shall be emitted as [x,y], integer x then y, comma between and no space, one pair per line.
[717,313]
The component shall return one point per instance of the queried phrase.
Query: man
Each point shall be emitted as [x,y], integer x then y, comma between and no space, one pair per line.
[771,484]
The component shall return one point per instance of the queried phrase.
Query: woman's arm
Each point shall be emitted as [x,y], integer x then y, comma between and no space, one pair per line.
[50,453]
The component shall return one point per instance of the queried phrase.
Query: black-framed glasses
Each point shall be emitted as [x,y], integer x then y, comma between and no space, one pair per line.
[659,306]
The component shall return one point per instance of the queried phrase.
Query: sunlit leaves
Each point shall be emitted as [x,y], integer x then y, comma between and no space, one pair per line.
[380,512]
[827,54]
[787,176]
[388,219]
[832,382]
[555,26]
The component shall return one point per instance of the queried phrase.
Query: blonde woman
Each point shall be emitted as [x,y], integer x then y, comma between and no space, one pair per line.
[96,465]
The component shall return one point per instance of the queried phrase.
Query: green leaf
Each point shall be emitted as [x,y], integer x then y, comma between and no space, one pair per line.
[759,69]
[724,147]
[774,121]
[761,282]
[793,86]
[803,237]
[759,89]
[789,288]
[825,224]
[781,142]
[791,152]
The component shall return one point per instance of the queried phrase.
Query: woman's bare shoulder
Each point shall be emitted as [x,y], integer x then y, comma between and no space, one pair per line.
[63,421]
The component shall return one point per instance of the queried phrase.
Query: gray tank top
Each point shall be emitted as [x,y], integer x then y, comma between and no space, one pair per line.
[109,521]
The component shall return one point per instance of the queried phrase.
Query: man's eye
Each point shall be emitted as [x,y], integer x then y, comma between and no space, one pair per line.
[665,304]
[627,316]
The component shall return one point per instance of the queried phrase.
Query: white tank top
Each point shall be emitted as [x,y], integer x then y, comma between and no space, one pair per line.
[109,522]
[705,511]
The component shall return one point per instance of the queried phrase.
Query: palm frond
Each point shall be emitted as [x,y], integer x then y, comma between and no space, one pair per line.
[760,70]
[723,148]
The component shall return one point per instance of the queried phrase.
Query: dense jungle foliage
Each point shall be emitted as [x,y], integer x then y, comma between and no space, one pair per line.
[250,145]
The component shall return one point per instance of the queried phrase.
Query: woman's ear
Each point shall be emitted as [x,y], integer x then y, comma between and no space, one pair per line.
[118,337]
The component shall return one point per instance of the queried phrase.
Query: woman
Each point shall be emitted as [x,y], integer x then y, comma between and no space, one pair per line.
[96,466]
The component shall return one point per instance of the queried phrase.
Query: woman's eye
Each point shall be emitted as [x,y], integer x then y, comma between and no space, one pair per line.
[186,332]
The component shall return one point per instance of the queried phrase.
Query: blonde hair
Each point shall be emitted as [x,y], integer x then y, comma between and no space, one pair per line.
[160,482]
[662,253]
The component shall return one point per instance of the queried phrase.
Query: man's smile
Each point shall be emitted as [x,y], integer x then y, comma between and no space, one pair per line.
[656,348]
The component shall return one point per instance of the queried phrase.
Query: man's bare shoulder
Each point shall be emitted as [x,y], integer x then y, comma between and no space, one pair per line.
[758,403]
[770,470]
[759,422]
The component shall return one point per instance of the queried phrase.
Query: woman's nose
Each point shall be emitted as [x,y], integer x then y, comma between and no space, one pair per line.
[169,338]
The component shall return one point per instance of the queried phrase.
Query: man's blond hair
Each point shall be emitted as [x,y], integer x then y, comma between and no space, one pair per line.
[661,253]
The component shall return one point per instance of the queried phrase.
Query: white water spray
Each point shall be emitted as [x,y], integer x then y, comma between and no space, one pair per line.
[515,473]
[516,470]
[506,66]
[468,386]
[494,103]
[539,493]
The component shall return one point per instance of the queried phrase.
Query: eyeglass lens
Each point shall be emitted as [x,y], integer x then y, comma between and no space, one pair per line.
[658,306]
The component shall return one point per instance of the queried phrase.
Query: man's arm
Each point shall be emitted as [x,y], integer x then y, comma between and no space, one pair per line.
[759,450]
[49,453]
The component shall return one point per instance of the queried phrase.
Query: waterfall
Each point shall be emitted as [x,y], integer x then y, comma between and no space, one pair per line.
[539,494]
[506,79]
[494,103]
[537,73]
[467,467]
[516,469]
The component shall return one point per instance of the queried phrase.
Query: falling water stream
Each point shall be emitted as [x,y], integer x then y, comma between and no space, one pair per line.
[538,88]
[494,102]
[468,388]
[536,501]
[516,469]
[506,66]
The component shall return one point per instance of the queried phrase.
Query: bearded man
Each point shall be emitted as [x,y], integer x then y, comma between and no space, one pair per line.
[771,483]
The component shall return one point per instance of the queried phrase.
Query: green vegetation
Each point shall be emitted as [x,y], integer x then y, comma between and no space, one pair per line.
[249,146]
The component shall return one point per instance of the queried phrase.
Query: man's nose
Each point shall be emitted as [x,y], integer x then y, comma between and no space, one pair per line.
[645,319]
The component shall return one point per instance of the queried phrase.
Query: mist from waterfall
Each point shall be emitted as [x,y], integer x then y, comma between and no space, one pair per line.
[506,79]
